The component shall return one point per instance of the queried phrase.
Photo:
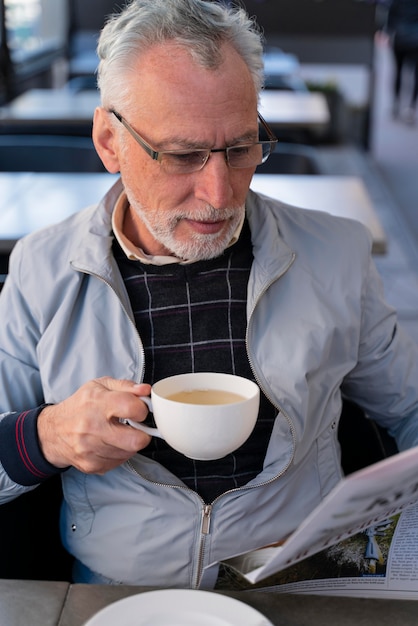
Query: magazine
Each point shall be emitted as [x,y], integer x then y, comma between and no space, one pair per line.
[364,533]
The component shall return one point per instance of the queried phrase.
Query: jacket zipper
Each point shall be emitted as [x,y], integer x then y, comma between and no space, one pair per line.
[207,509]
[206,514]
[204,532]
[205,519]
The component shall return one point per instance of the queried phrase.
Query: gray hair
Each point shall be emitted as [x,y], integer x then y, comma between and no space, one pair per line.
[199,25]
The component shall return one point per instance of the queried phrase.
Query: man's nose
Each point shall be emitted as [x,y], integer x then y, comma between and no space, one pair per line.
[213,182]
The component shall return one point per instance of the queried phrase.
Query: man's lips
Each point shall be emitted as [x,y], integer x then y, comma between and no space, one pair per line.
[206,227]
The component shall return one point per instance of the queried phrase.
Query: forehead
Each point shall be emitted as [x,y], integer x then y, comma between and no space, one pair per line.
[169,87]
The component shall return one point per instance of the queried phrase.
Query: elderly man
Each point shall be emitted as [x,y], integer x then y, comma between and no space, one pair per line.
[181,268]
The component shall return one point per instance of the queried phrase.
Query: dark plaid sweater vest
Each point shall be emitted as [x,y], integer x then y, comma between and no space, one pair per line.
[192,318]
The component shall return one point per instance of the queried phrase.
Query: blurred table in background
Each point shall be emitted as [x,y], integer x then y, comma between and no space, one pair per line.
[344,196]
[282,70]
[52,109]
[29,201]
[301,110]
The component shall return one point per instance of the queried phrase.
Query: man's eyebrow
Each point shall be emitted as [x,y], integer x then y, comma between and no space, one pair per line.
[249,137]
[181,143]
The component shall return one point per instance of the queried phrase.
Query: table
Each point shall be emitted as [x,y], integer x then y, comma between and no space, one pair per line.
[50,111]
[301,110]
[35,603]
[47,104]
[41,603]
[344,196]
[31,201]
[282,109]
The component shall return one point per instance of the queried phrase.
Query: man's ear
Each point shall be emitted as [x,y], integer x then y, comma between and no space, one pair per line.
[104,139]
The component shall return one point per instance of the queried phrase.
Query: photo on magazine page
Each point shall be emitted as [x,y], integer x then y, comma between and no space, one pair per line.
[364,555]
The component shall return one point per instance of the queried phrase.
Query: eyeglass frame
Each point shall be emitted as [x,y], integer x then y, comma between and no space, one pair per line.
[157,154]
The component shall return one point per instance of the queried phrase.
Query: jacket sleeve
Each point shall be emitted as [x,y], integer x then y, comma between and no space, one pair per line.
[20,332]
[385,380]
[20,451]
[22,462]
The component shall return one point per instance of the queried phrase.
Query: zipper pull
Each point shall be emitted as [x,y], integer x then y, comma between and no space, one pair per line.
[206,513]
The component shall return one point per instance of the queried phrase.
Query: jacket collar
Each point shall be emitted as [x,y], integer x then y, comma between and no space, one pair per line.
[272,255]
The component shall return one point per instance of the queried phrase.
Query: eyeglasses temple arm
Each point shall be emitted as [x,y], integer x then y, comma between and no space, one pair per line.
[267,128]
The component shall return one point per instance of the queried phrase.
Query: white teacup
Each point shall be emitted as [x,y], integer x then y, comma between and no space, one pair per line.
[204,416]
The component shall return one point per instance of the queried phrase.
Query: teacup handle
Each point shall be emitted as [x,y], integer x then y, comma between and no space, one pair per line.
[154,432]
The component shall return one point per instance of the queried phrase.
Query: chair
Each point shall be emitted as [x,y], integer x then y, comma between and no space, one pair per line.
[290,158]
[48,153]
[362,441]
[282,70]
[4,268]
[31,547]
[85,26]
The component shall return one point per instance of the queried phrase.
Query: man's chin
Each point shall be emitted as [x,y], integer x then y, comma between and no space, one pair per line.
[194,256]
[189,245]
[199,251]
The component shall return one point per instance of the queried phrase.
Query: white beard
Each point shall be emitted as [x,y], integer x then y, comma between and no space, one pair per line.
[198,247]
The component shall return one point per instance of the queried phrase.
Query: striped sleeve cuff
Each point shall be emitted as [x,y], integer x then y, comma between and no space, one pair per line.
[20,451]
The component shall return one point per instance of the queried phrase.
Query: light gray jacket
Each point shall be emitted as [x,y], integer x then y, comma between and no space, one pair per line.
[317,324]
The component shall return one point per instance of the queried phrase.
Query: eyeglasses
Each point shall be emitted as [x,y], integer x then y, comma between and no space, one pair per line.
[188,161]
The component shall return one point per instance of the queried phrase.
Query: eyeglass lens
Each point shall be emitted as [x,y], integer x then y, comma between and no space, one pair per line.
[237,157]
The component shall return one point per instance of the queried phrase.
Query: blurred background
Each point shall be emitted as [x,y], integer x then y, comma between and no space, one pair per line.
[334,56]
[326,44]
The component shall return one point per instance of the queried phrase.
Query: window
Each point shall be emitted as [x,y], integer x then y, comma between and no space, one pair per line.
[35,27]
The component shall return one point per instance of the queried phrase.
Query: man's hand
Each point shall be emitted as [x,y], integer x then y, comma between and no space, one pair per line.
[84,430]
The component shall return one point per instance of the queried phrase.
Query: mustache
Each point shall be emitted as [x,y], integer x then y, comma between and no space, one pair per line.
[207,214]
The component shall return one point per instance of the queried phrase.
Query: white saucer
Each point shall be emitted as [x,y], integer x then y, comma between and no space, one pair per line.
[178,607]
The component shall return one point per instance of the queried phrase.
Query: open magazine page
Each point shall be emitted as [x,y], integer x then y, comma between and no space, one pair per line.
[380,562]
[367,499]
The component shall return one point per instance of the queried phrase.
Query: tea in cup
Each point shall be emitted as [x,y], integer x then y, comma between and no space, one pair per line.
[203,415]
